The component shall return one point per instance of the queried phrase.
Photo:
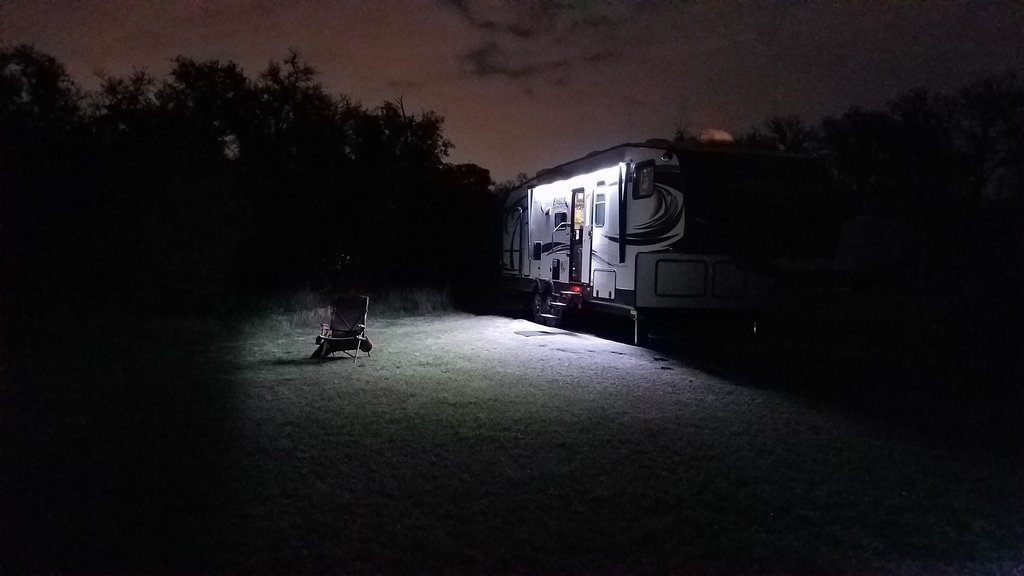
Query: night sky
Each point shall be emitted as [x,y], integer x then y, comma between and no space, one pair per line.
[525,85]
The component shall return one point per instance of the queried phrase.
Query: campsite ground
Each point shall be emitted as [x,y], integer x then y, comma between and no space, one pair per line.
[479,444]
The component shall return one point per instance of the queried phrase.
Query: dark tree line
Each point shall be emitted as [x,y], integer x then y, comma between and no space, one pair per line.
[206,187]
[935,181]
[193,191]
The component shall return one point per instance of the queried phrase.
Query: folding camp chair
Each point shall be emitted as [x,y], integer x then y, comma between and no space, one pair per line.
[347,329]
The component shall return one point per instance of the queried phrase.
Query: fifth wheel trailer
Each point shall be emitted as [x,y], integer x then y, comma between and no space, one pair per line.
[653,229]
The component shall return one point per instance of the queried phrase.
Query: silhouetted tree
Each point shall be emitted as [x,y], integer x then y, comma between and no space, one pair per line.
[861,145]
[36,92]
[783,134]
[988,134]
[503,188]
[296,175]
[42,145]
[186,191]
[946,167]
[987,124]
[684,135]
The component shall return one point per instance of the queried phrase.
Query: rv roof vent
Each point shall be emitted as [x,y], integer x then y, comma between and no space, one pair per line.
[714,136]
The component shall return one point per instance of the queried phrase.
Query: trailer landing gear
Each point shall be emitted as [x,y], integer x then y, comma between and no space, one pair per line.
[641,330]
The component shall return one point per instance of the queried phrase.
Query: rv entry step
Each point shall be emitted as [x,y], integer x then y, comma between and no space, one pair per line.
[552,320]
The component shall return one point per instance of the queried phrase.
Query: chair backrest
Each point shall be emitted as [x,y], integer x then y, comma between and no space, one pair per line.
[347,312]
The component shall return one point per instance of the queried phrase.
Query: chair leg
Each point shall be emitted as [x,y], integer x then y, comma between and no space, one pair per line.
[359,346]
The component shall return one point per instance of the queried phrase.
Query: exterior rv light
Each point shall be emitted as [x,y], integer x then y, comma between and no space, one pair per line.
[667,156]
[576,289]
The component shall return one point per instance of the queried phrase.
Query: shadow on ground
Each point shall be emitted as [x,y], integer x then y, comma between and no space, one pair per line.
[114,442]
[957,377]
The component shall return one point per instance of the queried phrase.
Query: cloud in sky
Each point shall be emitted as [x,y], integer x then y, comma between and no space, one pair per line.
[545,40]
[529,84]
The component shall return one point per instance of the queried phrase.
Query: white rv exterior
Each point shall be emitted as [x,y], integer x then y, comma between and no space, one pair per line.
[642,229]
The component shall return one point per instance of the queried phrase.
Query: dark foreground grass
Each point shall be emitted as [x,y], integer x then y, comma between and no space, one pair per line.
[113,445]
[459,448]
[949,365]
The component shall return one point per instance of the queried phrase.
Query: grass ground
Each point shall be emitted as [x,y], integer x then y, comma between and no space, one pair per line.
[467,444]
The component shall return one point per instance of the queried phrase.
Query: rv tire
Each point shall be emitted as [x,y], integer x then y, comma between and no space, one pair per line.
[541,303]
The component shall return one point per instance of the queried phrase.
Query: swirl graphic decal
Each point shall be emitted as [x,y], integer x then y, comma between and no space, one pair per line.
[664,226]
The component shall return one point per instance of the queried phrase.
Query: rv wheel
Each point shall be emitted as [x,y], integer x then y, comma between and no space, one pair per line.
[541,305]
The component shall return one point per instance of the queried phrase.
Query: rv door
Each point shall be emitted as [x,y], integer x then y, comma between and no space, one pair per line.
[588,234]
[577,224]
[558,263]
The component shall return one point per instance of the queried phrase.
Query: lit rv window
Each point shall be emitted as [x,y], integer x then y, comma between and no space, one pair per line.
[599,210]
[561,218]
[643,183]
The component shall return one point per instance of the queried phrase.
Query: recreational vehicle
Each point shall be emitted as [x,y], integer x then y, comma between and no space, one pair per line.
[656,228]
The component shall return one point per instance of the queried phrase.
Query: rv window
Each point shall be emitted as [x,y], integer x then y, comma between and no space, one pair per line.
[643,182]
[599,210]
[560,219]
